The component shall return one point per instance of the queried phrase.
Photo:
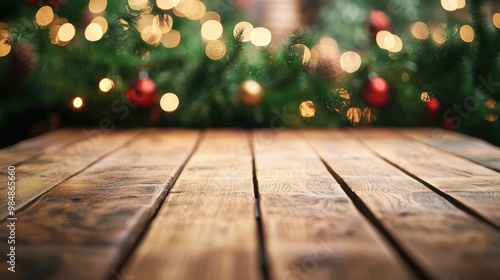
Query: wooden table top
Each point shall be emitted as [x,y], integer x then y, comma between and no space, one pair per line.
[260,204]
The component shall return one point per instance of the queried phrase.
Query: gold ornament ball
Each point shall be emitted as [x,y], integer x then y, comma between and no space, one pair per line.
[250,93]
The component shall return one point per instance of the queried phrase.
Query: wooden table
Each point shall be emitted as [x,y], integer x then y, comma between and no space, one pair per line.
[261,204]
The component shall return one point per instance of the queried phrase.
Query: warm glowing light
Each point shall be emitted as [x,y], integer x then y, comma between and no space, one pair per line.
[102,22]
[151,35]
[106,84]
[496,20]
[384,39]
[303,52]
[425,97]
[144,21]
[124,24]
[467,33]
[77,102]
[215,50]
[171,39]
[166,4]
[449,5]
[66,33]
[164,22]
[354,115]
[138,4]
[97,6]
[350,62]
[398,44]
[460,4]
[93,32]
[490,103]
[211,30]
[169,102]
[197,12]
[4,47]
[260,36]
[307,109]
[210,16]
[44,16]
[439,35]
[420,30]
[246,29]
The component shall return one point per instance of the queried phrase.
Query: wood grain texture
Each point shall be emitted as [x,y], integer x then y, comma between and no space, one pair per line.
[41,173]
[84,227]
[311,228]
[439,169]
[444,241]
[471,148]
[48,142]
[206,229]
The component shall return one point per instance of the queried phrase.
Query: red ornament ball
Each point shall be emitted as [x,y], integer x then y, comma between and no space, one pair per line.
[378,21]
[142,92]
[376,92]
[431,109]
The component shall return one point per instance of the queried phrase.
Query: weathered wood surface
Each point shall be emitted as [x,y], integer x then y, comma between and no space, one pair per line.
[42,172]
[471,148]
[84,227]
[206,229]
[311,228]
[449,173]
[233,204]
[420,220]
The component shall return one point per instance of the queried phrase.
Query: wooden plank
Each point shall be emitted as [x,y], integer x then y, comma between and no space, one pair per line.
[446,172]
[84,227]
[444,241]
[312,229]
[41,173]
[206,229]
[471,148]
[48,142]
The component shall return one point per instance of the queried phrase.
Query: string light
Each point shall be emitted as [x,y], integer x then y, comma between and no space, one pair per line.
[106,84]
[467,33]
[93,32]
[350,62]
[260,36]
[245,28]
[97,6]
[211,30]
[449,5]
[215,50]
[171,39]
[66,33]
[169,102]
[420,30]
[44,16]
[307,109]
[77,102]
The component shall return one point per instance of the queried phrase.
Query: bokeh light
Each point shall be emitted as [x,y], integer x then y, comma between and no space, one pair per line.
[93,32]
[97,6]
[78,102]
[398,44]
[467,33]
[496,20]
[211,30]
[138,5]
[354,115]
[169,102]
[370,114]
[211,15]
[425,97]
[151,35]
[166,4]
[66,33]
[246,29]
[164,22]
[4,47]
[102,22]
[383,41]
[438,35]
[215,50]
[106,84]
[303,52]
[449,5]
[260,36]
[44,16]
[171,39]
[490,103]
[307,109]
[350,62]
[420,30]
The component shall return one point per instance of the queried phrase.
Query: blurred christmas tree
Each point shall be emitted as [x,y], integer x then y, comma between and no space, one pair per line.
[202,64]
